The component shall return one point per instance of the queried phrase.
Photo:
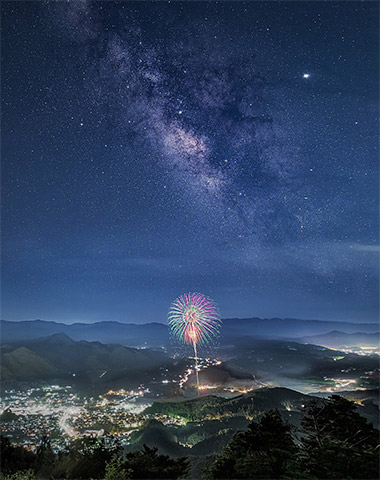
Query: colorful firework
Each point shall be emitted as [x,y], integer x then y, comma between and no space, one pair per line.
[194,320]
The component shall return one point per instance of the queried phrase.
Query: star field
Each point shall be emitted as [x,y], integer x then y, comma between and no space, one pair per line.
[153,148]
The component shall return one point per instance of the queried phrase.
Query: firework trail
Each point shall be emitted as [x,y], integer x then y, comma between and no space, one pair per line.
[194,320]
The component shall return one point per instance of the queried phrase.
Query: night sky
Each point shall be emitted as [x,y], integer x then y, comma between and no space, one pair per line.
[227,148]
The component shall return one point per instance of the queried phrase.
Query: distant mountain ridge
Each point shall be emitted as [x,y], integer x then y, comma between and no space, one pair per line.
[340,339]
[156,334]
[282,328]
[105,332]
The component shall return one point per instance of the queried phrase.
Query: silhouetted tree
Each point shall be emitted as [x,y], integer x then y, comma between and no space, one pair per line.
[338,442]
[115,470]
[85,458]
[148,463]
[14,459]
[21,475]
[263,451]
[45,457]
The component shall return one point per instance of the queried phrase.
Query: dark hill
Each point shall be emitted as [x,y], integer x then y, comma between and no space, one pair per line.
[69,355]
[155,434]
[252,403]
[58,356]
[8,416]
[22,362]
[56,339]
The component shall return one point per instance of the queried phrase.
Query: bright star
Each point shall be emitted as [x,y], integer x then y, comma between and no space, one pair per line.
[306,75]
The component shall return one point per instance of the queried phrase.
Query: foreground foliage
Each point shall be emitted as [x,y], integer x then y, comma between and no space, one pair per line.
[335,443]
[88,458]
[263,451]
[339,443]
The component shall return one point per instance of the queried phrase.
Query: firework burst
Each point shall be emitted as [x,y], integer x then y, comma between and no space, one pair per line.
[194,320]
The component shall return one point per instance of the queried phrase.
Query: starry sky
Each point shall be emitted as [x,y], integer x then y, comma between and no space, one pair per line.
[156,148]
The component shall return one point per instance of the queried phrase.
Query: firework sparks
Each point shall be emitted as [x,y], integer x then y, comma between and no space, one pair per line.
[194,320]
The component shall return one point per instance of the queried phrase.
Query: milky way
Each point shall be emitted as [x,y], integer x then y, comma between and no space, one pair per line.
[207,116]
[164,147]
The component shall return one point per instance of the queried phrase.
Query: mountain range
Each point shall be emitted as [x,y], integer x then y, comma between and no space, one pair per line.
[59,356]
[103,356]
[156,334]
